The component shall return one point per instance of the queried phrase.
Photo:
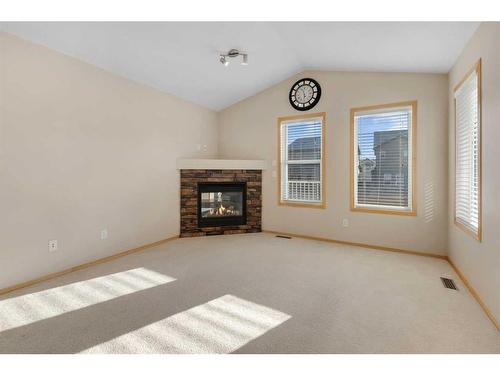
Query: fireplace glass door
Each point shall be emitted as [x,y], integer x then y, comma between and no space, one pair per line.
[221,204]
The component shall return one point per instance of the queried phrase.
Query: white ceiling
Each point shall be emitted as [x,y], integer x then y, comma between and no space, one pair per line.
[181,58]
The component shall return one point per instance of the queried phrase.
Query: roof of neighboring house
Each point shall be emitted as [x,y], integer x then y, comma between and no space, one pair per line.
[307,143]
[382,137]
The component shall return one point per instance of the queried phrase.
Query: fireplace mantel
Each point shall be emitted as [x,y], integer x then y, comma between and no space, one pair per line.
[221,164]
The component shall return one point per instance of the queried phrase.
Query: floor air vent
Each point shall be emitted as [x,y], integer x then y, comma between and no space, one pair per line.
[449,283]
[286,237]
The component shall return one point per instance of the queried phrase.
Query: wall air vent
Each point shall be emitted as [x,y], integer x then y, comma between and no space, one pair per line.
[449,283]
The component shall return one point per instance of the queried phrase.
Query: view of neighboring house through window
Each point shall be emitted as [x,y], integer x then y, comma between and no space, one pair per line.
[383,142]
[468,154]
[301,160]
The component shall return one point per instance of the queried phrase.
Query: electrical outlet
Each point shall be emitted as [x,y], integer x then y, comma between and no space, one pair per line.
[345,223]
[104,234]
[53,246]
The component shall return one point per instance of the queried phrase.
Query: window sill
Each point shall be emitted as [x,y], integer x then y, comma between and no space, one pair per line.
[384,211]
[302,204]
[468,231]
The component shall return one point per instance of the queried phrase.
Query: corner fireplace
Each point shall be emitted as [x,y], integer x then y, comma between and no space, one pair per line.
[222,204]
[220,201]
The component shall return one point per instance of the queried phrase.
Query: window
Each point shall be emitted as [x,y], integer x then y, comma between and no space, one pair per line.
[301,160]
[468,153]
[383,146]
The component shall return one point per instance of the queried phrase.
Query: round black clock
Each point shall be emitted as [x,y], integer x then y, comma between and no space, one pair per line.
[304,94]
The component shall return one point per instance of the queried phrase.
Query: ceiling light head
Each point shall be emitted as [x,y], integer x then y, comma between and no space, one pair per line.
[223,60]
[233,53]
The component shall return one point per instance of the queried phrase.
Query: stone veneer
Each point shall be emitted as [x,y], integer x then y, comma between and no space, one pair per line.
[189,200]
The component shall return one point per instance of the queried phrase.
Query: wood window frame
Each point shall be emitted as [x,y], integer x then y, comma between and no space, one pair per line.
[477,69]
[414,106]
[282,119]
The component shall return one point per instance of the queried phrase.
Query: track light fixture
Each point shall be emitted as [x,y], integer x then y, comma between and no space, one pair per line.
[223,58]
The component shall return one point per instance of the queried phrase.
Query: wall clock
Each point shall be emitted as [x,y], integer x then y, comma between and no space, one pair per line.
[304,94]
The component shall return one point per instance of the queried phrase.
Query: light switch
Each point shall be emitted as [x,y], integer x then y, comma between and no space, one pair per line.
[104,234]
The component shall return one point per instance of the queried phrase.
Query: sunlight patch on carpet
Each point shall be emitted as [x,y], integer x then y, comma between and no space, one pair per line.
[219,326]
[29,308]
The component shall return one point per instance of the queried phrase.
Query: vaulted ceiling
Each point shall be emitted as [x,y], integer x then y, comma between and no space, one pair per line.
[181,58]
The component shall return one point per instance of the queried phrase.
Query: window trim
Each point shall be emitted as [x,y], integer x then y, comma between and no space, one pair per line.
[413,212]
[282,119]
[479,235]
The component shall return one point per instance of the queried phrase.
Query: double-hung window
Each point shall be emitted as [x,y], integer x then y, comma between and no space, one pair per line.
[468,153]
[383,147]
[301,160]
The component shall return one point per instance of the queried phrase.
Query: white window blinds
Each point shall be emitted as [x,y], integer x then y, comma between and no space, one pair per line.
[301,151]
[468,154]
[382,148]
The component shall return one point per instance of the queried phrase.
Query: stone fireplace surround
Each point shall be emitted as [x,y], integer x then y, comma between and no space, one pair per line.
[189,200]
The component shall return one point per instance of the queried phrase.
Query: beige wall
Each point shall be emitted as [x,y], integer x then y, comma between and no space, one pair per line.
[82,150]
[248,130]
[480,262]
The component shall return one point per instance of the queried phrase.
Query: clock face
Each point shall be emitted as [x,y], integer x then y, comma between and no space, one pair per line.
[305,94]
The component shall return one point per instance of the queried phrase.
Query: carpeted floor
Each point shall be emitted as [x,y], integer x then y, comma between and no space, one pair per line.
[250,293]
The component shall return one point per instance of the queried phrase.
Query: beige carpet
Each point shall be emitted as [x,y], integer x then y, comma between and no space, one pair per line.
[250,293]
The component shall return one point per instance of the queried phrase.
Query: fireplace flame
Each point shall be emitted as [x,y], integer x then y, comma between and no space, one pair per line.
[222,210]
